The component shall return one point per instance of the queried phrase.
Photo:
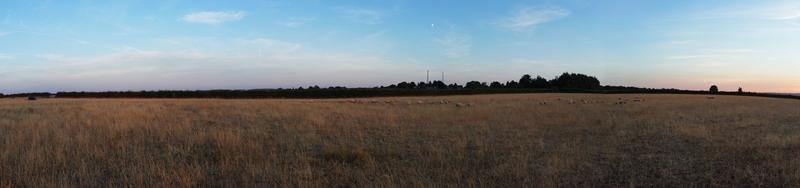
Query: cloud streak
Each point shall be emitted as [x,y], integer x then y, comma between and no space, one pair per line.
[360,15]
[255,63]
[213,17]
[296,21]
[5,57]
[456,45]
[528,18]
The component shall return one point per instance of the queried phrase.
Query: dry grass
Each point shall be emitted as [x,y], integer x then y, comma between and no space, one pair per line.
[472,141]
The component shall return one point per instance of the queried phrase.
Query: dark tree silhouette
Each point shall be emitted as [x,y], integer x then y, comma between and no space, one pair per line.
[540,82]
[496,85]
[575,81]
[422,85]
[512,84]
[438,85]
[713,89]
[404,85]
[740,90]
[454,86]
[474,85]
[526,81]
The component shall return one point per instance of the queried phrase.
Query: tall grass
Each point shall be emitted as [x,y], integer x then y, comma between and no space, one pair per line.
[499,141]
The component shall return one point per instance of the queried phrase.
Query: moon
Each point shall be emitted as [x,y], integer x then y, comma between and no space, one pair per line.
[432,25]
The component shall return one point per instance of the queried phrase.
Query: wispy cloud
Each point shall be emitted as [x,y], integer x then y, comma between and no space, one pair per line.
[528,17]
[5,57]
[2,34]
[252,61]
[360,15]
[698,56]
[296,21]
[784,12]
[455,45]
[213,17]
[768,10]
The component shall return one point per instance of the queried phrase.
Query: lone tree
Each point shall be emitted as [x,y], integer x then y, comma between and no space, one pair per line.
[740,90]
[713,89]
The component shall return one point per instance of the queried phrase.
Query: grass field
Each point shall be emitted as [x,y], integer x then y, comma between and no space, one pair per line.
[543,140]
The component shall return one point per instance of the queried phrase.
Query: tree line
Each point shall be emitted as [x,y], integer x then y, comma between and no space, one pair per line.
[564,83]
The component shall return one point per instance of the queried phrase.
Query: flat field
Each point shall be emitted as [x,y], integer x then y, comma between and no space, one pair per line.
[522,140]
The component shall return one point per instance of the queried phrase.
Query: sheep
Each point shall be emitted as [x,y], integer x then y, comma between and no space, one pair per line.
[459,105]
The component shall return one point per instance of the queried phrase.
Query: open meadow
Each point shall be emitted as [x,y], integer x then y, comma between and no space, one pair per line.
[514,140]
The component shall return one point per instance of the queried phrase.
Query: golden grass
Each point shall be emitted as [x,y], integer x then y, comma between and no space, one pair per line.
[490,141]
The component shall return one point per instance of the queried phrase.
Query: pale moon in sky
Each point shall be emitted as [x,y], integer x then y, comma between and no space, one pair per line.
[431,25]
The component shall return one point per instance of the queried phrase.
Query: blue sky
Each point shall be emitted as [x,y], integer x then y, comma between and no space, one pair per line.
[174,44]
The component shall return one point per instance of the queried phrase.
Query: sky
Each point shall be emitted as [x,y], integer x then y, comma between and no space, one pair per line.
[50,46]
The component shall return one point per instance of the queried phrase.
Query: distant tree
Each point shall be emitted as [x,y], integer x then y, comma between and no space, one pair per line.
[406,85]
[740,91]
[512,84]
[403,85]
[496,85]
[422,85]
[540,82]
[575,81]
[438,84]
[526,81]
[713,89]
[474,85]
[455,86]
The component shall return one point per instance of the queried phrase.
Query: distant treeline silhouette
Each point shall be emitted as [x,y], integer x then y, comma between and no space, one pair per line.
[564,83]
